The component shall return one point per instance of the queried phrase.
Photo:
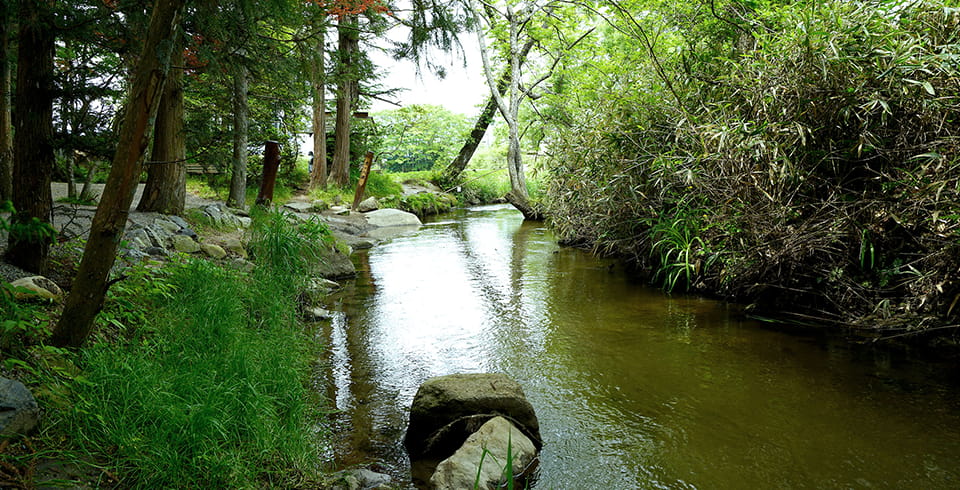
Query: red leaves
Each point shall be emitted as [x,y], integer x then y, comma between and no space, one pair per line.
[343,8]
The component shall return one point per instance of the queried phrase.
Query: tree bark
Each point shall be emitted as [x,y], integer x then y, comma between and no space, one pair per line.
[165,190]
[241,111]
[346,81]
[33,136]
[6,123]
[90,284]
[318,177]
[460,162]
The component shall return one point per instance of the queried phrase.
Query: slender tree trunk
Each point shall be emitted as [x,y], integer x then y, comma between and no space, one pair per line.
[165,190]
[90,285]
[318,177]
[346,81]
[33,137]
[460,162]
[6,123]
[241,110]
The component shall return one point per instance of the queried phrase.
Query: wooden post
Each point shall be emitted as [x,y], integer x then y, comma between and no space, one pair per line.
[362,183]
[271,163]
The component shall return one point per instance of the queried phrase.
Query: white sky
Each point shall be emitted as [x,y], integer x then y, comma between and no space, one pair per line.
[463,90]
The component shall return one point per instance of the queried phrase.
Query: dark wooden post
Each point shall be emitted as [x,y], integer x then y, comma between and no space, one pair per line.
[271,163]
[362,183]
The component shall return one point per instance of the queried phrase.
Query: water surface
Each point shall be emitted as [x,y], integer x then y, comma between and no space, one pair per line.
[634,389]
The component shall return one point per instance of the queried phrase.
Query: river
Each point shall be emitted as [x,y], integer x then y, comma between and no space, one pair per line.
[633,388]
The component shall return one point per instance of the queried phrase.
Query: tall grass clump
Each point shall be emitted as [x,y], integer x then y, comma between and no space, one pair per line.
[212,392]
[806,133]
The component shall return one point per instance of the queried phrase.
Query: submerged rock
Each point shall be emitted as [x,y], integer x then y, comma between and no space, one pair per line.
[484,453]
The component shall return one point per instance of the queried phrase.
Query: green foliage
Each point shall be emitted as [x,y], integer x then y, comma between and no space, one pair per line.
[814,137]
[210,393]
[424,203]
[419,137]
[285,247]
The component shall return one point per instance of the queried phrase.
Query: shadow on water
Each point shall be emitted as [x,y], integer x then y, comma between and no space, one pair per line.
[634,389]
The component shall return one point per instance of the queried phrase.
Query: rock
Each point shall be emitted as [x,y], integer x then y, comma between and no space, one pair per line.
[370,479]
[300,207]
[388,232]
[19,412]
[368,204]
[317,289]
[167,225]
[334,264]
[158,236]
[156,251]
[41,287]
[213,250]
[340,210]
[188,232]
[392,217]
[447,409]
[314,314]
[319,205]
[485,452]
[235,246]
[245,221]
[185,244]
[222,216]
[241,264]
[353,241]
[182,223]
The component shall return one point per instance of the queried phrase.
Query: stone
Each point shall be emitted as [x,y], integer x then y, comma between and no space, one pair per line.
[315,314]
[158,236]
[392,217]
[40,287]
[368,204]
[167,225]
[447,409]
[340,210]
[245,221]
[485,453]
[370,479]
[334,264]
[319,205]
[317,289]
[156,251]
[182,223]
[235,246]
[19,412]
[213,250]
[185,244]
[188,232]
[300,207]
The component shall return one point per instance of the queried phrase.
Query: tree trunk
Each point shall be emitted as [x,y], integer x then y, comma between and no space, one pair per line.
[318,177]
[241,111]
[346,80]
[460,162]
[6,123]
[90,284]
[165,190]
[33,136]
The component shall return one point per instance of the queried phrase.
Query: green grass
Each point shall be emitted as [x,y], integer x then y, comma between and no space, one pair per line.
[199,375]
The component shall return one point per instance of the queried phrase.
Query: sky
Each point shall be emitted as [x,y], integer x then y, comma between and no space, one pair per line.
[463,90]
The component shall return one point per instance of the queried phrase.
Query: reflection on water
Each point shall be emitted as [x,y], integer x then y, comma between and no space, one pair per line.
[633,389]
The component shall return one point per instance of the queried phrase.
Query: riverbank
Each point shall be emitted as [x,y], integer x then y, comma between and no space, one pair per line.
[199,348]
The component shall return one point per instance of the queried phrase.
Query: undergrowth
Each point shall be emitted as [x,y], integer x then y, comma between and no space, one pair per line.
[818,141]
[196,377]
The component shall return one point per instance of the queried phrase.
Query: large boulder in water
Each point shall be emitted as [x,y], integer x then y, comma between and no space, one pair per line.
[447,409]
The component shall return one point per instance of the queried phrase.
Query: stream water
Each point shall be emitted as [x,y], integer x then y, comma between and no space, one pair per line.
[633,388]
